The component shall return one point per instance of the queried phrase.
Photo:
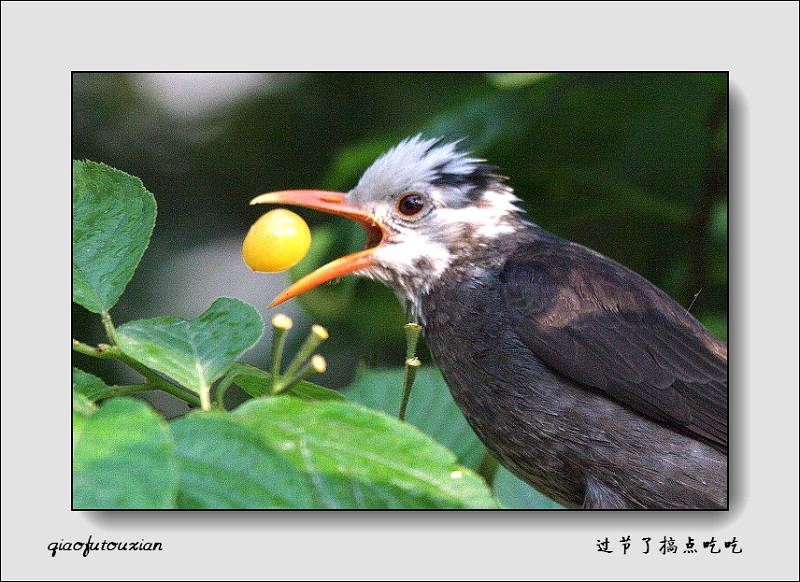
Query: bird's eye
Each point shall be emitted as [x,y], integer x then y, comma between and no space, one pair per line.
[410,204]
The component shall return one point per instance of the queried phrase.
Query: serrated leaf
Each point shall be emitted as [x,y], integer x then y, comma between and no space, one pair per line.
[198,352]
[124,459]
[222,464]
[514,493]
[340,441]
[227,465]
[112,219]
[431,408]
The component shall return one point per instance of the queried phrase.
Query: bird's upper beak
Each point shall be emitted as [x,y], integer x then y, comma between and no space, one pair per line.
[334,203]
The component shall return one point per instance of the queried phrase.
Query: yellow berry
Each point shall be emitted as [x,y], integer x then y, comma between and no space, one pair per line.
[276,241]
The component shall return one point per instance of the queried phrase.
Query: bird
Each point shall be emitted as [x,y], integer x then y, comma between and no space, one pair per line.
[580,376]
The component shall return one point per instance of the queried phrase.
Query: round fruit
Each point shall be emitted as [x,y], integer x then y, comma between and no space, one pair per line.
[276,241]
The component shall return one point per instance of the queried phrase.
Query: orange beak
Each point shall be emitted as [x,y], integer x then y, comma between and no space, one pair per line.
[333,203]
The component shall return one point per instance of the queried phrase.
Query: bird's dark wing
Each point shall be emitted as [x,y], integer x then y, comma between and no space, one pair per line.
[605,327]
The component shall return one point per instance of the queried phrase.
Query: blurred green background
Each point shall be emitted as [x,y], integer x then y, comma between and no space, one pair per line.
[632,165]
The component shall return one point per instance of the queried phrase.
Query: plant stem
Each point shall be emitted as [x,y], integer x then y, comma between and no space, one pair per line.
[412,336]
[411,372]
[159,382]
[281,325]
[110,329]
[95,352]
[132,388]
[205,399]
[219,394]
[317,336]
[316,365]
[104,351]
[412,363]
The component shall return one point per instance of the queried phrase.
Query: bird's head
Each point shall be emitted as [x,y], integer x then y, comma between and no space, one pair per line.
[427,208]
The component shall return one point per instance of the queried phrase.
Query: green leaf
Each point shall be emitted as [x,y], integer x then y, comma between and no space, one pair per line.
[90,386]
[227,465]
[237,461]
[514,493]
[194,353]
[223,465]
[124,459]
[310,391]
[82,405]
[348,456]
[82,409]
[431,408]
[256,382]
[112,219]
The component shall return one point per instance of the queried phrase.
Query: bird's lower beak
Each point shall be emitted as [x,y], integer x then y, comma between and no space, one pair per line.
[332,202]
